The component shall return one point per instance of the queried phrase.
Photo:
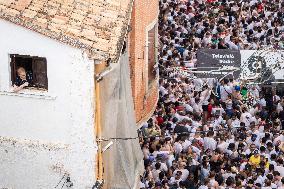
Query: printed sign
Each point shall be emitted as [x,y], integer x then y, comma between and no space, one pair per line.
[218,63]
[264,66]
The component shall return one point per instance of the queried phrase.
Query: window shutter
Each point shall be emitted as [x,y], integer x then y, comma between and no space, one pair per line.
[13,68]
[40,73]
[151,54]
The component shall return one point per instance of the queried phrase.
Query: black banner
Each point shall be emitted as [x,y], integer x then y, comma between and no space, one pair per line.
[218,63]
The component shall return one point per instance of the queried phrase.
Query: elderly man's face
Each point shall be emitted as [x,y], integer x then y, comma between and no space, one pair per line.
[22,73]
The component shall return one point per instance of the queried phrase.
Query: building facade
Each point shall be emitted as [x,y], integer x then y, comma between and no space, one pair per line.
[143,45]
[44,137]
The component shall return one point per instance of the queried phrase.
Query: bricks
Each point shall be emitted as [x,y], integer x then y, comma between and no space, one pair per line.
[144,13]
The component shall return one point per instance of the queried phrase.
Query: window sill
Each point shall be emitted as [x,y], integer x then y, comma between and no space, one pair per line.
[28,93]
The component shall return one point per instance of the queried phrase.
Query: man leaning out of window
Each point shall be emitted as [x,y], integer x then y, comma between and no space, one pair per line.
[23,79]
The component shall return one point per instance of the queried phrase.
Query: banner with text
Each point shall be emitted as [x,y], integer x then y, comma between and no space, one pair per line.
[218,63]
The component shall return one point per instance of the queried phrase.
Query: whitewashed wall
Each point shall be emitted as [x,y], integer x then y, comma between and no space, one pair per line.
[44,135]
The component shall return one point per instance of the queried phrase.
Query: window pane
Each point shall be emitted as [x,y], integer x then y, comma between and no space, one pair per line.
[151,54]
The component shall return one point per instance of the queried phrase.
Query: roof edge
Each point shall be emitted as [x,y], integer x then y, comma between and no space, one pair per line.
[124,32]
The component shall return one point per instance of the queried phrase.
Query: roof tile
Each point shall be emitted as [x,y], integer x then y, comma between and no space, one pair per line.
[6,2]
[95,26]
[29,13]
[12,11]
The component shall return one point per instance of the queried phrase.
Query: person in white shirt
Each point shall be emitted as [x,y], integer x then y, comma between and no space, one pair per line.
[222,145]
[198,83]
[156,171]
[262,102]
[235,122]
[184,172]
[268,185]
[279,139]
[276,99]
[186,144]
[176,178]
[225,91]
[210,142]
[178,147]
[253,139]
[246,117]
[255,92]
[218,110]
[279,107]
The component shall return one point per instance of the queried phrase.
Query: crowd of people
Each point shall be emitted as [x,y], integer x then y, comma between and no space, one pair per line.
[214,133]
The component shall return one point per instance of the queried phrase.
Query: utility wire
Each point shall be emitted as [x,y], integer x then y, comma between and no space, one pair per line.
[60,180]
[64,184]
[178,133]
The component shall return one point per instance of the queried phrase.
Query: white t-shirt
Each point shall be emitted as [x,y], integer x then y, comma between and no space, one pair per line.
[188,107]
[236,123]
[223,146]
[280,169]
[255,93]
[246,118]
[196,150]
[217,111]
[225,91]
[279,107]
[198,84]
[279,138]
[276,98]
[155,174]
[186,144]
[173,180]
[177,147]
[209,143]
[184,174]
[262,102]
[203,187]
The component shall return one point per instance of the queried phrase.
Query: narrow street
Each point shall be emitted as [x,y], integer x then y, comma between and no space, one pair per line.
[219,119]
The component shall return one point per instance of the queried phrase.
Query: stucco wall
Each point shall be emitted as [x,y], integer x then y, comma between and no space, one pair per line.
[62,117]
[145,14]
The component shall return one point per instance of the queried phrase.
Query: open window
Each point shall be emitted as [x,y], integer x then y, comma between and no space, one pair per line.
[152,53]
[35,66]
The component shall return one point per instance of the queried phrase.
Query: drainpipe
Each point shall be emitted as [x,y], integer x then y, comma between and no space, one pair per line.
[100,70]
[98,127]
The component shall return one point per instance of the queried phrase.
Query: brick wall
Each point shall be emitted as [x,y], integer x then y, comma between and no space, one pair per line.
[144,13]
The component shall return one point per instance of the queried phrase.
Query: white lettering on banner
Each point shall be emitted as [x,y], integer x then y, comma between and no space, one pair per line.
[226,61]
[229,56]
